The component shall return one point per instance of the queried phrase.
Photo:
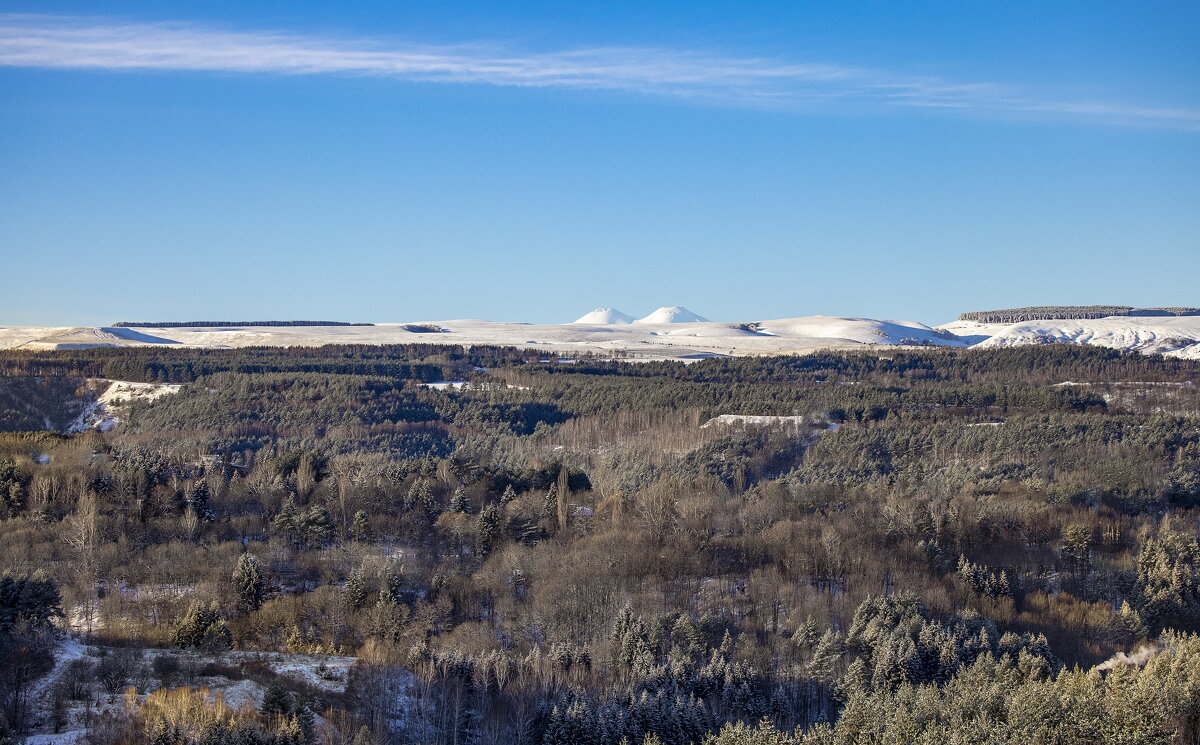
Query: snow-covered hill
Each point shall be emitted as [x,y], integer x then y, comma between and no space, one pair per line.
[664,334]
[605,316]
[1175,336]
[859,330]
[672,314]
[672,338]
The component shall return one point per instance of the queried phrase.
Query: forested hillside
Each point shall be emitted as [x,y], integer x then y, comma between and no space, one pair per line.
[430,544]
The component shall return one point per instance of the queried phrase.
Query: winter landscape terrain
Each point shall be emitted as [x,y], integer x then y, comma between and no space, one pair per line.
[666,333]
[487,533]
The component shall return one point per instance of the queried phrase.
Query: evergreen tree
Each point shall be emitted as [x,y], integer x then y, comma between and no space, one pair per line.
[203,629]
[32,601]
[307,724]
[1076,546]
[825,656]
[805,635]
[508,496]
[316,527]
[356,589]
[277,701]
[360,528]
[1133,628]
[550,502]
[287,522]
[249,584]
[12,489]
[488,530]
[199,500]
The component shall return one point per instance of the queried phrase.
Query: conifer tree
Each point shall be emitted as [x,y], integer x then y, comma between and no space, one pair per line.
[248,582]
[307,724]
[488,530]
[277,701]
[459,501]
[356,589]
[287,522]
[316,527]
[198,499]
[360,528]
[508,496]
[805,635]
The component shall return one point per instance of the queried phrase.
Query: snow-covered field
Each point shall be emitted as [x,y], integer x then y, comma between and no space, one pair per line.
[667,333]
[645,338]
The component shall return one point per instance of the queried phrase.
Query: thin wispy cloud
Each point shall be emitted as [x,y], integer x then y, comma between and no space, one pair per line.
[101,44]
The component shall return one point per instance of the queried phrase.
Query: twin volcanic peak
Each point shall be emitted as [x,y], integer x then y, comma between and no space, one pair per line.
[670,314]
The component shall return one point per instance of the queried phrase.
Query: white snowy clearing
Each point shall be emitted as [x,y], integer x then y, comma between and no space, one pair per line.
[104,413]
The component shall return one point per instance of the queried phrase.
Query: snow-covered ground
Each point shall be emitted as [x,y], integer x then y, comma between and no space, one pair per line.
[1175,336]
[104,413]
[641,340]
[325,673]
[668,333]
[605,316]
[673,314]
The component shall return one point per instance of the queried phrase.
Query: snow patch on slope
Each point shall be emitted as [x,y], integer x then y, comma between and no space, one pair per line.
[104,413]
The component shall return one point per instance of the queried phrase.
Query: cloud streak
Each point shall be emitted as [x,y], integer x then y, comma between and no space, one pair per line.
[99,44]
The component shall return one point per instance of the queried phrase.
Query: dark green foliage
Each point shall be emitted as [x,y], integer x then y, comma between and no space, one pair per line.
[199,501]
[277,701]
[33,601]
[489,529]
[202,628]
[360,529]
[1168,574]
[356,589]
[562,553]
[12,489]
[249,584]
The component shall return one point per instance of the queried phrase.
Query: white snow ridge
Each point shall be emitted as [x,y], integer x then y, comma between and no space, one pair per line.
[605,316]
[672,314]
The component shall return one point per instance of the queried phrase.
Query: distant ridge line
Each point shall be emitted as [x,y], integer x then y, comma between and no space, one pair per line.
[1069,312]
[180,324]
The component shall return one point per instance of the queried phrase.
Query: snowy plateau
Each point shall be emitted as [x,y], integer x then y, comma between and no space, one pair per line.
[671,332]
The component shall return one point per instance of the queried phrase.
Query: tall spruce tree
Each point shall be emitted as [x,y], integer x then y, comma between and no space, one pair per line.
[249,584]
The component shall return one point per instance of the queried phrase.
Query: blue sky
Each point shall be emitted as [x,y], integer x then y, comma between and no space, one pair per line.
[531,161]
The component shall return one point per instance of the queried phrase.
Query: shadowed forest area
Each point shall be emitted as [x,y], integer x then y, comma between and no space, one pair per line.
[333,545]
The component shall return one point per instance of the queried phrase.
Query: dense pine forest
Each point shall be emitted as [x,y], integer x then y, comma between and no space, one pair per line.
[355,545]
